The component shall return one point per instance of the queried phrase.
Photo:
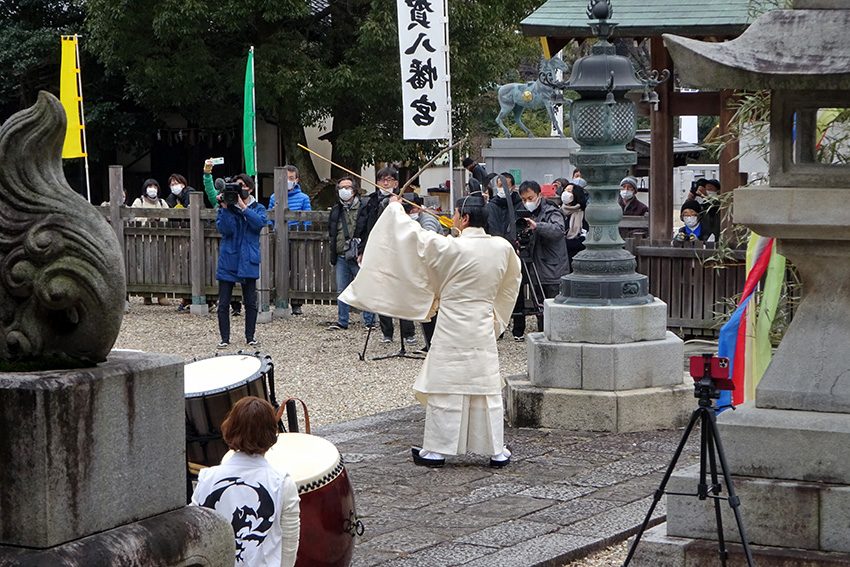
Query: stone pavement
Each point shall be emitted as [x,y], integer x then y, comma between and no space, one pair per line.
[564,495]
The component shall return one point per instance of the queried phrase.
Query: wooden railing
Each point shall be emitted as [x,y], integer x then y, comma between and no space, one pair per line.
[693,289]
[176,255]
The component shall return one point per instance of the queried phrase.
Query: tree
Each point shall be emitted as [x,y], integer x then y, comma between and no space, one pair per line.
[312,63]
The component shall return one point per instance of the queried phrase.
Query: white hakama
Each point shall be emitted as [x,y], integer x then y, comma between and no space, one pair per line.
[474,279]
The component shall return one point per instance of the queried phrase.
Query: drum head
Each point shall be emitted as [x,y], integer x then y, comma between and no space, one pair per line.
[219,373]
[311,461]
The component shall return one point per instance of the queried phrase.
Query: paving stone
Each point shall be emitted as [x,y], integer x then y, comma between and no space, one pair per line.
[406,540]
[561,492]
[508,507]
[489,492]
[549,549]
[468,514]
[565,513]
[618,522]
[448,555]
[508,534]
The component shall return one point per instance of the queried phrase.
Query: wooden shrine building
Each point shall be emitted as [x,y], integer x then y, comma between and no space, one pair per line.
[558,22]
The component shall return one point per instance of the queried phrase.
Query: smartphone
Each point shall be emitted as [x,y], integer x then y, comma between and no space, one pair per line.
[717,367]
[217,160]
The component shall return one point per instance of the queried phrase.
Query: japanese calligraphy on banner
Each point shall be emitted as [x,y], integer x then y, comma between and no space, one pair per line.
[424,75]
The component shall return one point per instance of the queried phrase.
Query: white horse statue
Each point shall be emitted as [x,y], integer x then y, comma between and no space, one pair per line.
[545,91]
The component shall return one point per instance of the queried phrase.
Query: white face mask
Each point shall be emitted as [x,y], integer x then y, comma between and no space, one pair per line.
[566,198]
[290,185]
[712,193]
[414,216]
[151,192]
[386,193]
[532,205]
[627,195]
[691,222]
[345,194]
[500,192]
[176,189]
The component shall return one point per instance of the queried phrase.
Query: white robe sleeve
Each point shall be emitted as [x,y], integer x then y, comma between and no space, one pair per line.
[393,279]
[290,523]
[507,294]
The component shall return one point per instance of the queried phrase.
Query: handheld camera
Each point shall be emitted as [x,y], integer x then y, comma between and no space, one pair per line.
[231,191]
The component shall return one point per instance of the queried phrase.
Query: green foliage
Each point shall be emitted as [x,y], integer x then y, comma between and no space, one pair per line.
[188,57]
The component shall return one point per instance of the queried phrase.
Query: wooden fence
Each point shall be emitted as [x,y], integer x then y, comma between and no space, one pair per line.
[174,252]
[694,290]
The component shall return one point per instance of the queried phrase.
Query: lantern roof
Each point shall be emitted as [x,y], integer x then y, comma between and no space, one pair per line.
[801,49]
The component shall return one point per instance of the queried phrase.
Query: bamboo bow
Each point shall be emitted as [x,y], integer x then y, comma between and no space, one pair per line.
[444,220]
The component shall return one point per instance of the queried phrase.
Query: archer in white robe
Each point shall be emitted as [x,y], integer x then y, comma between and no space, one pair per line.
[474,279]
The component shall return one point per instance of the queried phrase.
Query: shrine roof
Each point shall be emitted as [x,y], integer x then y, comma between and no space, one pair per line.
[567,19]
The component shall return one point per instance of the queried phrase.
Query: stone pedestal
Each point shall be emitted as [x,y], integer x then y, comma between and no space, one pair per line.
[534,157]
[87,451]
[602,368]
[188,537]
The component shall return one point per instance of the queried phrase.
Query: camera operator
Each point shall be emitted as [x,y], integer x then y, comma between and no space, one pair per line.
[240,220]
[543,231]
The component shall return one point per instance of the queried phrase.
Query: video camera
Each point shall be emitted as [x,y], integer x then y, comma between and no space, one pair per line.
[232,191]
[711,374]
[523,233]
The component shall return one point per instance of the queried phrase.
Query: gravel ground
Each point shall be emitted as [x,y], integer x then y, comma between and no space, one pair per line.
[320,367]
[612,556]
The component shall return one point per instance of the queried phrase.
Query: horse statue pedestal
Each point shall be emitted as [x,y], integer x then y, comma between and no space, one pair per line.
[534,157]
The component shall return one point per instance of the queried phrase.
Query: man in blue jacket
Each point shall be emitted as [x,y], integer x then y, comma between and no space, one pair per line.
[239,257]
[296,200]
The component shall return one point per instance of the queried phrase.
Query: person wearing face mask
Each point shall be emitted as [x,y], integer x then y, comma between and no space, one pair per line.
[548,253]
[501,213]
[711,213]
[178,195]
[296,200]
[149,199]
[631,205]
[387,178]
[694,229]
[475,278]
[346,225]
[573,205]
[239,257]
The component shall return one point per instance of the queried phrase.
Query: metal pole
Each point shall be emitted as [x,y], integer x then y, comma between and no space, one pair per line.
[82,115]
[453,192]
[254,108]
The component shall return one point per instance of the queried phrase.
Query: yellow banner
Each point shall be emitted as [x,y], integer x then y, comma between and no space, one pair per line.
[71,98]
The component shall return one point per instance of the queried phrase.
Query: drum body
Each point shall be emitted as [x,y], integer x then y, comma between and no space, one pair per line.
[211,386]
[328,516]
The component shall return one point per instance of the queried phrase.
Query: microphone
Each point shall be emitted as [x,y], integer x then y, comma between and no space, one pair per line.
[219,184]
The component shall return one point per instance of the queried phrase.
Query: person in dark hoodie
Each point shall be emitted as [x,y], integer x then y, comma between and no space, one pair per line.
[501,214]
[179,191]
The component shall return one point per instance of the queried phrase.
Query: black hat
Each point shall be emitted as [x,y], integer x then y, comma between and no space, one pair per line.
[474,185]
[472,200]
[714,182]
[693,205]
[467,161]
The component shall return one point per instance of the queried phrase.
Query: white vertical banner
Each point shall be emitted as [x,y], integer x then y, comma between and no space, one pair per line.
[423,52]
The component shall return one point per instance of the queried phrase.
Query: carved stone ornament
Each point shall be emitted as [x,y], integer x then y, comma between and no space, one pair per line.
[62,285]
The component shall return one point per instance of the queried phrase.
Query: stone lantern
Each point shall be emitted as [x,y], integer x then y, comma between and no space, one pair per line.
[605,360]
[789,448]
[602,122]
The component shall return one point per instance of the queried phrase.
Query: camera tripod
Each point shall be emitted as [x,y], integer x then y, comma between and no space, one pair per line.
[400,354]
[711,448]
[531,280]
